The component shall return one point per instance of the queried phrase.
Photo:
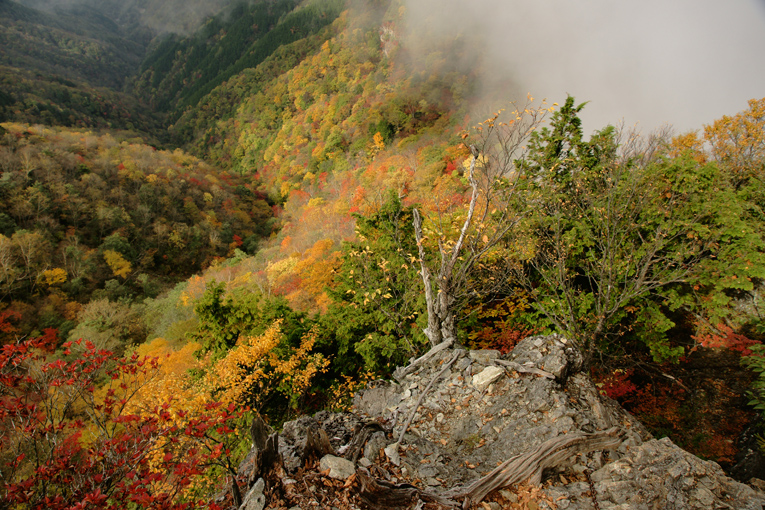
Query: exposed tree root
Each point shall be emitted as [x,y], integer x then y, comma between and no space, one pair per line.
[379,494]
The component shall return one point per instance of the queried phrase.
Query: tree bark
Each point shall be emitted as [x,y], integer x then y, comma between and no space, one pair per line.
[442,326]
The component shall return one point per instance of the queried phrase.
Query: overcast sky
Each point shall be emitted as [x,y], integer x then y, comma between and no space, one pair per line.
[682,62]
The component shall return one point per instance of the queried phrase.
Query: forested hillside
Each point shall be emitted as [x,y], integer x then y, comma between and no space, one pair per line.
[69,68]
[90,216]
[269,211]
[179,72]
[80,45]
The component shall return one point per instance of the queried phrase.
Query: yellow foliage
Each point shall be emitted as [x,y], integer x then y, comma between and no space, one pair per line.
[244,367]
[276,271]
[252,370]
[688,143]
[342,392]
[378,141]
[171,381]
[285,189]
[738,142]
[117,263]
[51,277]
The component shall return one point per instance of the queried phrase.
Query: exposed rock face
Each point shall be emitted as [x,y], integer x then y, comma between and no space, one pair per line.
[658,474]
[479,410]
[480,413]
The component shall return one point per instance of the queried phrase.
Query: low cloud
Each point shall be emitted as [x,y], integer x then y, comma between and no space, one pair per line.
[684,63]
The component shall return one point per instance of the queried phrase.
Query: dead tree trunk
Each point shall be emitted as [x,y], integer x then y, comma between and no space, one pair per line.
[441,301]
[449,276]
[379,494]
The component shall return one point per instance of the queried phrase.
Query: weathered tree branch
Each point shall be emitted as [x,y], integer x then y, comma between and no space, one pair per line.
[402,372]
[530,465]
[523,369]
[382,495]
[424,392]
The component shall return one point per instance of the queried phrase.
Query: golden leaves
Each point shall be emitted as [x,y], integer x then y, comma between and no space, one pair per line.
[253,369]
[117,263]
[52,277]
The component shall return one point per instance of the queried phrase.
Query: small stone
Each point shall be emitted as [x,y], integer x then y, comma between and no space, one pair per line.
[487,376]
[432,482]
[255,499]
[510,496]
[462,364]
[339,468]
[392,453]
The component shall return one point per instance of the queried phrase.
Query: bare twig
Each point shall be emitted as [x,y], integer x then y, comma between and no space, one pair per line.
[424,392]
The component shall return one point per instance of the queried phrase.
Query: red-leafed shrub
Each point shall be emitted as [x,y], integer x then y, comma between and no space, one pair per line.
[726,338]
[67,440]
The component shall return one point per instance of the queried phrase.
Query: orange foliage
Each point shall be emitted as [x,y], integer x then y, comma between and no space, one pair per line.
[724,338]
[315,270]
[738,142]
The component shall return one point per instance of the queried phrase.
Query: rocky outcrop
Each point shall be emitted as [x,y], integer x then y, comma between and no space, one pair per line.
[658,474]
[466,427]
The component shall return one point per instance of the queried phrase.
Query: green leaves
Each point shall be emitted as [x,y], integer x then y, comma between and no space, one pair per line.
[378,297]
[623,240]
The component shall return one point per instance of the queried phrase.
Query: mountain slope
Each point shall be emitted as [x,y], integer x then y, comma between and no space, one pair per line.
[180,71]
[69,68]
[77,44]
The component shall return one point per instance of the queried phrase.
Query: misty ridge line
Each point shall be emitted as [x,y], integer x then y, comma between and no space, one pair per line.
[651,63]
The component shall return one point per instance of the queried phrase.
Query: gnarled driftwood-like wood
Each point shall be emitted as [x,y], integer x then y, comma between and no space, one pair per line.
[316,445]
[529,466]
[379,494]
[360,438]
[382,495]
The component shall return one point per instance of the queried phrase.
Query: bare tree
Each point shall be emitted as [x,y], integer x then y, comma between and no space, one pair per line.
[448,266]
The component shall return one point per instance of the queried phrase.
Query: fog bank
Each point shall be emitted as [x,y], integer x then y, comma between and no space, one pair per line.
[682,62]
